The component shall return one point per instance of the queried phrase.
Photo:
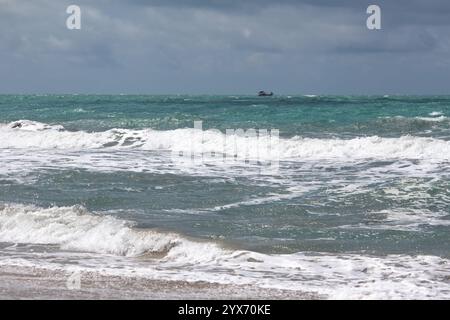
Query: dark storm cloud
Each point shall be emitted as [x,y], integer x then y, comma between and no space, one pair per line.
[397,11]
[403,5]
[224,46]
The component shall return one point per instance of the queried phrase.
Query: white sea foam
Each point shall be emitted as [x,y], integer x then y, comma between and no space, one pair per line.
[368,147]
[402,220]
[79,110]
[28,125]
[74,228]
[433,118]
[177,258]
[41,136]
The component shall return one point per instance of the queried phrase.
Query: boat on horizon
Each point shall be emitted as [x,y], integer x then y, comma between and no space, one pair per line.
[265,94]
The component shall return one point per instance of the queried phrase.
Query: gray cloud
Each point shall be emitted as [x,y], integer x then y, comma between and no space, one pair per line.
[224,46]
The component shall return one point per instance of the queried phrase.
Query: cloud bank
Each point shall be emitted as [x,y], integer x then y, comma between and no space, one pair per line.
[200,46]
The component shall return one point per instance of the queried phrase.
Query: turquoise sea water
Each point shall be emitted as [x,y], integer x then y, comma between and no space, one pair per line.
[359,205]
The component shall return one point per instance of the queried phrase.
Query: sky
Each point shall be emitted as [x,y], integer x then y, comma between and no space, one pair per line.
[225,47]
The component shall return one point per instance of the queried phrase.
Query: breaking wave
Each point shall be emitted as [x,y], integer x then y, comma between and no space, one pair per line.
[74,228]
[175,257]
[28,134]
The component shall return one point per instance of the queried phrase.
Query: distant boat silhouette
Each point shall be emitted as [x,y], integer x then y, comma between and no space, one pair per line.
[265,94]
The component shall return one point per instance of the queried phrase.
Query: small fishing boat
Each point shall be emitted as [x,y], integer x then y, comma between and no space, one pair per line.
[265,94]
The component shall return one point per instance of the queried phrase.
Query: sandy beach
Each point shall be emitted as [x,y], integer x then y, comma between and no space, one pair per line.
[35,283]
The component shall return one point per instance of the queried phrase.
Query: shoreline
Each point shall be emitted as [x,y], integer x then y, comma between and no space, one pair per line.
[33,283]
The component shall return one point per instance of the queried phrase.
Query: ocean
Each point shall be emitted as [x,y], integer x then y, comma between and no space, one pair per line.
[348,198]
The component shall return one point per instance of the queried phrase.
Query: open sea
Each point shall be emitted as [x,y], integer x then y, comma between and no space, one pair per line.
[350,200]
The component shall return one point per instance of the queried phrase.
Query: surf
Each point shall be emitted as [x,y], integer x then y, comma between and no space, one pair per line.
[33,135]
[123,249]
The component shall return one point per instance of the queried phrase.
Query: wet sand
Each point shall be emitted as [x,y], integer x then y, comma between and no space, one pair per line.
[33,283]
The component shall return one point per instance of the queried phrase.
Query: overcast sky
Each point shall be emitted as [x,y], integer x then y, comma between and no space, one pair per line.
[225,46]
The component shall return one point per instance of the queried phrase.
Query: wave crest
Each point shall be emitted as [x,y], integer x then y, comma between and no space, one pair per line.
[74,228]
[335,276]
[37,135]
